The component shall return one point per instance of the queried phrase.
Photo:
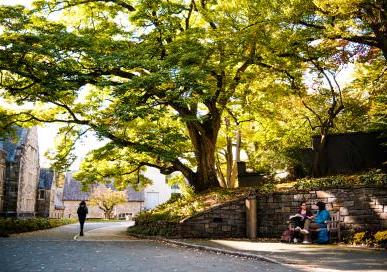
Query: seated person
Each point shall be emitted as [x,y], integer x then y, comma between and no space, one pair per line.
[320,220]
[300,222]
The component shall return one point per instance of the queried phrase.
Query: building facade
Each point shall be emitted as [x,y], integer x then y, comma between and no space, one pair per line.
[73,195]
[159,191]
[21,174]
[3,156]
[49,197]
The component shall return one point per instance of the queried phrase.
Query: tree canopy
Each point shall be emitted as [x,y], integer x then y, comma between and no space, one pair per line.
[157,78]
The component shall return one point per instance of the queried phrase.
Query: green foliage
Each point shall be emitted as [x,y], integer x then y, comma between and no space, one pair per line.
[154,79]
[9,225]
[375,177]
[187,190]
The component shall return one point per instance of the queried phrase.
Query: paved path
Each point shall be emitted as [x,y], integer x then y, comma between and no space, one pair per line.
[105,248]
[304,257]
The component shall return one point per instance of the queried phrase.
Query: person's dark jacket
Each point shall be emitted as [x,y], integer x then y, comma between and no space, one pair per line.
[82,211]
[307,214]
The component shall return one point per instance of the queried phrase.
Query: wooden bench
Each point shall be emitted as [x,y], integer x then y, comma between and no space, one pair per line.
[333,227]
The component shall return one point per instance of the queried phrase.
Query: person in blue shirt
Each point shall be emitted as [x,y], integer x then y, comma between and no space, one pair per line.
[320,223]
[322,215]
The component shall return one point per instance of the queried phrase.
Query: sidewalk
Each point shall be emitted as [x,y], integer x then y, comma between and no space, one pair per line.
[300,256]
[316,258]
[110,233]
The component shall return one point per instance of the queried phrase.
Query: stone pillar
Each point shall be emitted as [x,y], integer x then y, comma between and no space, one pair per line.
[251,217]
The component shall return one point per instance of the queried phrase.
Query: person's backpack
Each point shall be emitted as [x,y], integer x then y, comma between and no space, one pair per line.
[287,236]
[322,236]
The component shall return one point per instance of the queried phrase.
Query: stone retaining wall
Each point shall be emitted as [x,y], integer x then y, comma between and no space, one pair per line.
[361,208]
[225,220]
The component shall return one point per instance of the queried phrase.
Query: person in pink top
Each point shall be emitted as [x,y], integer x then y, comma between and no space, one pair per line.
[302,221]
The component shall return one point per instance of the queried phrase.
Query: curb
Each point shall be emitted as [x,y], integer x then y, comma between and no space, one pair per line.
[210,249]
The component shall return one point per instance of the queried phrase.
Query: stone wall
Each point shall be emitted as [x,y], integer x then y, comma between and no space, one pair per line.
[28,175]
[45,205]
[3,156]
[225,220]
[361,208]
[21,174]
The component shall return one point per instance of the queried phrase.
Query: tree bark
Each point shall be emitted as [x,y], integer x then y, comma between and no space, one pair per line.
[319,155]
[204,143]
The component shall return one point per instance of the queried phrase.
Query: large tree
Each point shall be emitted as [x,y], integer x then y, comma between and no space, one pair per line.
[154,77]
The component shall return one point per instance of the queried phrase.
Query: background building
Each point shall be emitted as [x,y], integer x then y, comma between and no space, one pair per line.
[3,156]
[21,173]
[73,194]
[159,191]
[49,197]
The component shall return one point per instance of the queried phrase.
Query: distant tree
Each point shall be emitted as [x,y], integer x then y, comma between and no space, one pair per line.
[106,199]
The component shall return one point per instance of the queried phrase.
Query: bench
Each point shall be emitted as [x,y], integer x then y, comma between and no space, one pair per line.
[333,227]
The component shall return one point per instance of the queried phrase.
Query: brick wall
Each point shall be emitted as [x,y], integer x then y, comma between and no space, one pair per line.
[360,208]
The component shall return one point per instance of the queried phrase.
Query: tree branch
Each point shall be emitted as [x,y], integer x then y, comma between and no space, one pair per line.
[69,4]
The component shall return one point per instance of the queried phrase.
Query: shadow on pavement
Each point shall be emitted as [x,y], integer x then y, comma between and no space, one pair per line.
[326,257]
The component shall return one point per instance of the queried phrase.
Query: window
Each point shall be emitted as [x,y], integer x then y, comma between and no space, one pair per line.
[41,195]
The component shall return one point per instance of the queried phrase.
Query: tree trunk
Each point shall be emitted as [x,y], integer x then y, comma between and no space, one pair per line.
[319,154]
[108,214]
[206,173]
[204,143]
[234,176]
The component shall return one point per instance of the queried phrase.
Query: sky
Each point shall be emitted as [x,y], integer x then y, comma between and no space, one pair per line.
[26,3]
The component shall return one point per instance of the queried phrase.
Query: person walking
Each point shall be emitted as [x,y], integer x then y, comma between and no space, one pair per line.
[82,212]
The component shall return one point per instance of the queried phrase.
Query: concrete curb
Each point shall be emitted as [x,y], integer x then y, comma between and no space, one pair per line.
[210,249]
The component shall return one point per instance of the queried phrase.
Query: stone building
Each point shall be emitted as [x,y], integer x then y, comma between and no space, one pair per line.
[21,173]
[49,199]
[73,194]
[58,211]
[45,195]
[3,156]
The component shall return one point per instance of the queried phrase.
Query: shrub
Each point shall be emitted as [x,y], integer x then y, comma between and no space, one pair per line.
[359,238]
[373,177]
[381,238]
[13,225]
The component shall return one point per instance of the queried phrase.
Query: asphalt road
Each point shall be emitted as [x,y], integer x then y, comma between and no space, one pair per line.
[57,250]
